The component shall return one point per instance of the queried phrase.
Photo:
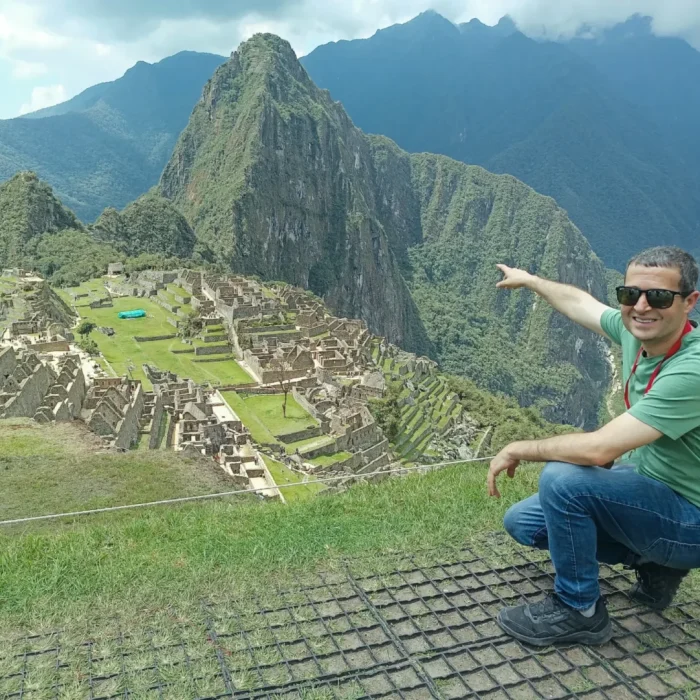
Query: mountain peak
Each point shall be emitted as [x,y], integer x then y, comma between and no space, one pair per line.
[505,27]
[28,210]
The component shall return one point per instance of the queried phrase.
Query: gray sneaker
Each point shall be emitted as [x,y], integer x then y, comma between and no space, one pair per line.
[550,621]
[656,585]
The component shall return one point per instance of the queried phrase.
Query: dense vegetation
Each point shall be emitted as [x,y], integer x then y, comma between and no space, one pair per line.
[28,210]
[608,128]
[70,257]
[151,224]
[109,144]
[472,220]
[37,232]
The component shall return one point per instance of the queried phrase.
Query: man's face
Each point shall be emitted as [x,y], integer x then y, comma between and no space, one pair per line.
[656,325]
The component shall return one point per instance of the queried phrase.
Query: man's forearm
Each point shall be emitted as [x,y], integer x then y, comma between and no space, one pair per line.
[574,303]
[563,297]
[577,448]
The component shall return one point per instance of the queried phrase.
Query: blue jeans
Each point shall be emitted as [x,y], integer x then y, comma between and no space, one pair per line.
[586,515]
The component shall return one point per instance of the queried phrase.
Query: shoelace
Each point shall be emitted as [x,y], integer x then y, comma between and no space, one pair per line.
[552,605]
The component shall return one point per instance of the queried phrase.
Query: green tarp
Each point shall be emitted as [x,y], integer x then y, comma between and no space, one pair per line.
[137,313]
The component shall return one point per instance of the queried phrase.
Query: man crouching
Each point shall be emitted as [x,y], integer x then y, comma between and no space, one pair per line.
[644,512]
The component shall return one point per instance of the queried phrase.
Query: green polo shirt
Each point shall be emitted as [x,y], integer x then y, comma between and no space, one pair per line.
[672,407]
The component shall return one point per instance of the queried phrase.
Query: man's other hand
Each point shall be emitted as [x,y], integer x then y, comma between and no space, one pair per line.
[500,463]
[513,277]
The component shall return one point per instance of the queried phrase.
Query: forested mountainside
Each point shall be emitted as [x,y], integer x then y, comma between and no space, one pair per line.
[108,145]
[575,121]
[276,181]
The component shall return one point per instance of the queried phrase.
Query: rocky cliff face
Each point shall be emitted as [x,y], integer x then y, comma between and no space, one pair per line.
[276,181]
[28,210]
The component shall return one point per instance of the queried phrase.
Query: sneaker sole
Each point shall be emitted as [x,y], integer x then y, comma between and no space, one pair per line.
[583,637]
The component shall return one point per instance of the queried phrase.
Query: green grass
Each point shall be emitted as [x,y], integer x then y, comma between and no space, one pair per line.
[171,557]
[328,460]
[175,555]
[121,349]
[95,288]
[175,289]
[257,428]
[63,467]
[282,475]
[268,407]
[262,415]
[147,571]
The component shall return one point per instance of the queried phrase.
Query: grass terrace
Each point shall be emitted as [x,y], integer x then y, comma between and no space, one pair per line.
[262,415]
[330,460]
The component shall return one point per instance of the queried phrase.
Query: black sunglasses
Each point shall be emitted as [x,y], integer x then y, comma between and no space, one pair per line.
[656,298]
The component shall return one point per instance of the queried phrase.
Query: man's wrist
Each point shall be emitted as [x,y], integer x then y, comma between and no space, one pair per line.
[511,450]
[533,283]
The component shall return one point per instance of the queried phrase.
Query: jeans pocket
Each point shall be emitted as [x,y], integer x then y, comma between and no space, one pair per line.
[674,554]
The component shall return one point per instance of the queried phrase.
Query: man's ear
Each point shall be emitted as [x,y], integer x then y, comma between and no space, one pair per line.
[691,300]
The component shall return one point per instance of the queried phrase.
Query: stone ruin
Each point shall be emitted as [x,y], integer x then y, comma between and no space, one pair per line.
[197,428]
[65,397]
[24,382]
[113,410]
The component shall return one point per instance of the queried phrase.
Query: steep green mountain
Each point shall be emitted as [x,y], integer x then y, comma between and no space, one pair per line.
[108,145]
[541,111]
[276,181]
[151,224]
[28,210]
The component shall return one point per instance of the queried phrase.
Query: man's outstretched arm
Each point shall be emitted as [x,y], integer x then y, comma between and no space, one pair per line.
[573,302]
[619,436]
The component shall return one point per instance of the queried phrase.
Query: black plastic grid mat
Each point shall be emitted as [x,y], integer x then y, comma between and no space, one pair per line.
[422,628]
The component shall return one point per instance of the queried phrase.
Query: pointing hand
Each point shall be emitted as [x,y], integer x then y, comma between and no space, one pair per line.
[513,277]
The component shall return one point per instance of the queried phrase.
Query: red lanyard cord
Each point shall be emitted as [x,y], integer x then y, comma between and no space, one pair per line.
[672,351]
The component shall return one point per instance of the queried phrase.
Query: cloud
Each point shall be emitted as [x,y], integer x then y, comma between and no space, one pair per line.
[83,42]
[45,96]
[23,70]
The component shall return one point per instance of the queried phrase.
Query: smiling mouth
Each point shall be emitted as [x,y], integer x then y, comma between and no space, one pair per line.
[643,321]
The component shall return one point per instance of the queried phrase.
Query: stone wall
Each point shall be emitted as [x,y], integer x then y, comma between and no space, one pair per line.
[158,416]
[300,435]
[216,338]
[8,362]
[149,338]
[55,346]
[30,395]
[128,431]
[213,350]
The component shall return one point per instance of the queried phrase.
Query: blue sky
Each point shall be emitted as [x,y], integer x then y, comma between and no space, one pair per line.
[52,49]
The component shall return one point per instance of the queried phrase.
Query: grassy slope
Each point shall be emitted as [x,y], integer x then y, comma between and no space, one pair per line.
[63,467]
[175,555]
[139,563]
[283,476]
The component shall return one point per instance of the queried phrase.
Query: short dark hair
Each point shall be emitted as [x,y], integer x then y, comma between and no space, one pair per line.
[670,256]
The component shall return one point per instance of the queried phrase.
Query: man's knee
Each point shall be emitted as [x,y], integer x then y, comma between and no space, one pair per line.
[523,521]
[559,478]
